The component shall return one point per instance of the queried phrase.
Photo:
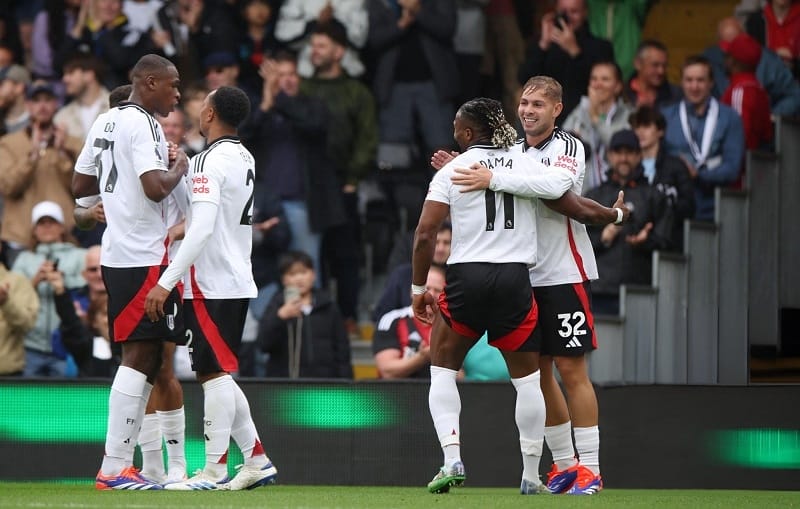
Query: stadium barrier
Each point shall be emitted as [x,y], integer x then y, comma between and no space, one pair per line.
[380,433]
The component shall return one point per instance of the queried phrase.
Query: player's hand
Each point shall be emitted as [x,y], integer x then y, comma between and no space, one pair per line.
[98,212]
[475,178]
[267,225]
[181,162]
[176,232]
[620,204]
[172,152]
[641,237]
[442,157]
[424,306]
[154,303]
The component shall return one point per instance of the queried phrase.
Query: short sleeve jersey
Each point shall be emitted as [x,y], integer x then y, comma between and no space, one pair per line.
[488,226]
[224,175]
[124,144]
[564,253]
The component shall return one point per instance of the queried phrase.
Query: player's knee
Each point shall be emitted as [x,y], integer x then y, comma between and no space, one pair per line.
[572,370]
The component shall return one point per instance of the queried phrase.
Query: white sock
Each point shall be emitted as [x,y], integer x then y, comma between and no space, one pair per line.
[124,404]
[559,441]
[529,414]
[244,432]
[587,442]
[173,427]
[150,444]
[220,409]
[445,406]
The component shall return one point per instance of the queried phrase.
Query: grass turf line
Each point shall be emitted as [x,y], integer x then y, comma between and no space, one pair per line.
[49,495]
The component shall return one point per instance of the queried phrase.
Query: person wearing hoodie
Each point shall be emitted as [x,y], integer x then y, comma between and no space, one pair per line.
[624,252]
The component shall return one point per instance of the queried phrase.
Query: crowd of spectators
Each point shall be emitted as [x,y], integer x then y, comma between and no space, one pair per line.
[349,99]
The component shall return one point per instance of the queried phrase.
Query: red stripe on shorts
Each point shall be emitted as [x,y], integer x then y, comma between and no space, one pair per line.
[458,327]
[580,289]
[227,360]
[514,339]
[130,316]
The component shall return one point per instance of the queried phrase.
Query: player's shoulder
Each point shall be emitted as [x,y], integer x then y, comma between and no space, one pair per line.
[134,118]
[565,143]
[221,152]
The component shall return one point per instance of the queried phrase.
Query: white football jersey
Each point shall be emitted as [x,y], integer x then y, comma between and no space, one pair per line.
[224,174]
[123,144]
[565,252]
[488,226]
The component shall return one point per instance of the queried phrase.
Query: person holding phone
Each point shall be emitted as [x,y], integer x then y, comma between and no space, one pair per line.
[302,329]
[51,259]
[566,50]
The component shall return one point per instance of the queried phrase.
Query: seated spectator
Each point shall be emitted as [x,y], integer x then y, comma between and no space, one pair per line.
[600,114]
[88,342]
[302,329]
[566,50]
[667,173]
[51,260]
[782,87]
[395,292]
[745,94]
[297,20]
[401,344]
[19,306]
[649,86]
[485,363]
[777,26]
[707,135]
[624,252]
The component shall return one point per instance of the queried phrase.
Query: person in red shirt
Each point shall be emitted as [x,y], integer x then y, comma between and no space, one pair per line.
[744,93]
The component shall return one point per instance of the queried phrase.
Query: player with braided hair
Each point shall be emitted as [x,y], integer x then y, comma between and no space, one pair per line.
[494,243]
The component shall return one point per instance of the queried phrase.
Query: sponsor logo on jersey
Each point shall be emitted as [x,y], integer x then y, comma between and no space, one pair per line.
[199,185]
[567,162]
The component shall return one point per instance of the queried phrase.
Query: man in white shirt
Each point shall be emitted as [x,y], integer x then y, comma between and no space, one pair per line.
[215,253]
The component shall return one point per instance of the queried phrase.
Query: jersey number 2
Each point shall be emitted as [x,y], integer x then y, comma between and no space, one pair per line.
[247,216]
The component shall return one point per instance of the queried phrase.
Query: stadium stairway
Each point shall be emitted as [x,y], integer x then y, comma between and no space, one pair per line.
[714,314]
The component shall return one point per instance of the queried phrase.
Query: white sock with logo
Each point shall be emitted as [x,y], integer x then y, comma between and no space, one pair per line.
[173,427]
[124,421]
[445,406]
[220,410]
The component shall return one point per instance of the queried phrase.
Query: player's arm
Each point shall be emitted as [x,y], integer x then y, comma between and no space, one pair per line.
[84,178]
[529,184]
[88,212]
[430,220]
[587,211]
[204,217]
[157,184]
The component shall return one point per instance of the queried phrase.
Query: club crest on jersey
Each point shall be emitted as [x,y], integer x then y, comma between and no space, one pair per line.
[546,161]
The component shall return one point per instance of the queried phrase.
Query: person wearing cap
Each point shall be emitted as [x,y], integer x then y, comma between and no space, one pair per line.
[707,135]
[13,81]
[51,263]
[745,94]
[781,86]
[35,165]
[221,69]
[19,306]
[624,252]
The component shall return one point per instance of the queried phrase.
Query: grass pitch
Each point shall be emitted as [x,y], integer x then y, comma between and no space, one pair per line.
[50,495]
